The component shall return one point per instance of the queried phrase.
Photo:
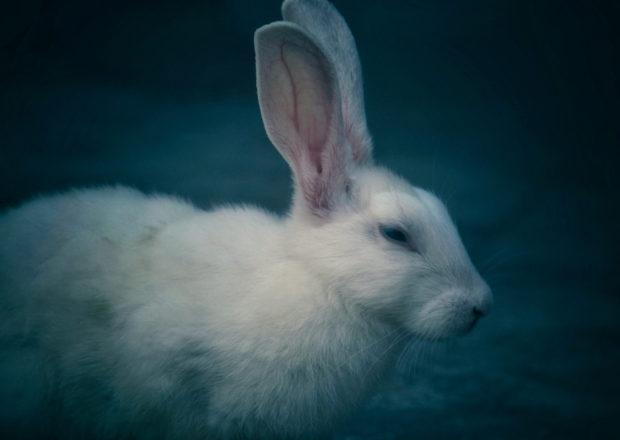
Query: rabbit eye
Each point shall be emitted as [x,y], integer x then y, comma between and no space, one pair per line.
[394,234]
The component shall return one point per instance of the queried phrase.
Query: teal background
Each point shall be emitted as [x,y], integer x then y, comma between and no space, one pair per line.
[506,109]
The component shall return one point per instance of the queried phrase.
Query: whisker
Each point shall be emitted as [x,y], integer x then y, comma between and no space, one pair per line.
[413,354]
[501,258]
[367,347]
[396,340]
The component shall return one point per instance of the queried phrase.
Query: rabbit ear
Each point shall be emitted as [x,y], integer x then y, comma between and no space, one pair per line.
[321,19]
[300,105]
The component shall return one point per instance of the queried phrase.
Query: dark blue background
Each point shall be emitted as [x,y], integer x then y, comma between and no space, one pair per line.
[507,109]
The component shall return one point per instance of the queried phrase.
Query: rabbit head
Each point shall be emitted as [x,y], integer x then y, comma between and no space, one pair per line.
[378,243]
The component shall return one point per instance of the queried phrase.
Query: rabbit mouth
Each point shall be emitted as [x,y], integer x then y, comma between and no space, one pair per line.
[473,323]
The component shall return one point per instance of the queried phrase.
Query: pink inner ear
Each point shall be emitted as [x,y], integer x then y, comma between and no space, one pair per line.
[300,103]
[328,27]
[311,103]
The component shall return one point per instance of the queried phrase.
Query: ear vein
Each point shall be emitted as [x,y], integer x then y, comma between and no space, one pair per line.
[293,87]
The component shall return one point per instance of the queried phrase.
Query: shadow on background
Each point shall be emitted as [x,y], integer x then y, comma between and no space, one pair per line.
[508,110]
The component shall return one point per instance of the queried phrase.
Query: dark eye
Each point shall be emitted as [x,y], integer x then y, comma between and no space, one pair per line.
[394,234]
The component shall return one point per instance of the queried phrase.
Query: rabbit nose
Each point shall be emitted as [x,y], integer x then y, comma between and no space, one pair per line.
[483,301]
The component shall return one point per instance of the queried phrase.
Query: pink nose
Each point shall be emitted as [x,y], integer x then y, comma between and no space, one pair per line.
[484,302]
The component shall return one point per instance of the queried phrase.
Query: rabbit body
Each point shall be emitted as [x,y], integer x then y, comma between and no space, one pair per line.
[131,316]
[150,318]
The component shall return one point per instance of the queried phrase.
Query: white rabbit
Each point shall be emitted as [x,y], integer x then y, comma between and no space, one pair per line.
[131,316]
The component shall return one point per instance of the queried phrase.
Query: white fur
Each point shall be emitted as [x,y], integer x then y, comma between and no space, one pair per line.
[131,316]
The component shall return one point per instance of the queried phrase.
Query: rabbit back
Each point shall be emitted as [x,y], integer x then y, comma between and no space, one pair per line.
[113,302]
[128,316]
